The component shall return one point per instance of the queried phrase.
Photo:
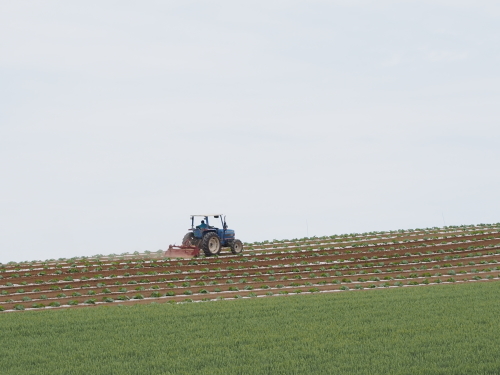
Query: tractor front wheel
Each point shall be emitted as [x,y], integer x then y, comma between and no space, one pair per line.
[190,240]
[236,247]
[211,244]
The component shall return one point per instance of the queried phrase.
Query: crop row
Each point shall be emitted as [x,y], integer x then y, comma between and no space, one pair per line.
[297,275]
[292,274]
[355,265]
[260,266]
[326,264]
[213,293]
[338,241]
[334,253]
[257,269]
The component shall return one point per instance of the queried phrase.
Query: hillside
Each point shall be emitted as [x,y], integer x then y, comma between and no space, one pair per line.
[338,263]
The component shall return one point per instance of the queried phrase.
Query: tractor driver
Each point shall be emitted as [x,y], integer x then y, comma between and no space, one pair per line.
[202,225]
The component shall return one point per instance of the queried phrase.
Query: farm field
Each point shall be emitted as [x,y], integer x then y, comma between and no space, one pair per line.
[445,329]
[338,263]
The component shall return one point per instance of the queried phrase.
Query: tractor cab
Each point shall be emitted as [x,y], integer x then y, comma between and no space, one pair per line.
[205,226]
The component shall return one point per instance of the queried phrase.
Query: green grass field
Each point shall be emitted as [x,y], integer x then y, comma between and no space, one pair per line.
[447,329]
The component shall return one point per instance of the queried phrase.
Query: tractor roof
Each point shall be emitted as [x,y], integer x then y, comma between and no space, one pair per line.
[208,215]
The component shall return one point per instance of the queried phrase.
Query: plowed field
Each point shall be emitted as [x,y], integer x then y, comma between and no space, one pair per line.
[339,263]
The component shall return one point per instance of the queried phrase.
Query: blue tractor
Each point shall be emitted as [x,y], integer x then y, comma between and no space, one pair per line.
[211,239]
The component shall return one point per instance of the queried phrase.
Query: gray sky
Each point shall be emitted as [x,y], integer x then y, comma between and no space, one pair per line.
[118,119]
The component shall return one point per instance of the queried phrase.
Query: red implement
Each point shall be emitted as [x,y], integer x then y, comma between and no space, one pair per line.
[183,251]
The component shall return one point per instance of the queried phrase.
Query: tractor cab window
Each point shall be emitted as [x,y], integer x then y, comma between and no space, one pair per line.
[202,225]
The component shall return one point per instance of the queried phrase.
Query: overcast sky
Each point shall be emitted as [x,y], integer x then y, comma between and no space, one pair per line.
[119,119]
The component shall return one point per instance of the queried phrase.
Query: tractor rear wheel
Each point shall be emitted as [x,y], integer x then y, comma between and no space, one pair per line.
[211,244]
[236,247]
